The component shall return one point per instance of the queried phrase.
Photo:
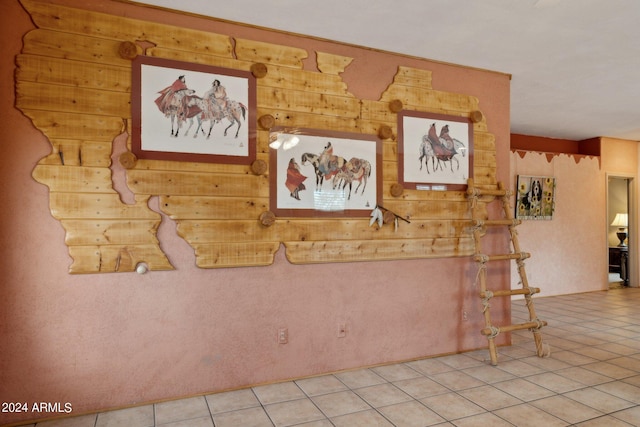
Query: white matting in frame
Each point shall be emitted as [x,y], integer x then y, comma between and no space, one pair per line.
[192,112]
[435,151]
[324,173]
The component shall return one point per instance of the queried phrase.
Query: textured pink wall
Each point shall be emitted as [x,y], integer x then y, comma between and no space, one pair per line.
[112,340]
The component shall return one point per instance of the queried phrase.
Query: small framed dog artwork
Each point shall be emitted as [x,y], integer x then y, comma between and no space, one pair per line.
[535,198]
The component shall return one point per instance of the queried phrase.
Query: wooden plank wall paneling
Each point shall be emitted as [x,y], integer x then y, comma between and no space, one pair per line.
[76,88]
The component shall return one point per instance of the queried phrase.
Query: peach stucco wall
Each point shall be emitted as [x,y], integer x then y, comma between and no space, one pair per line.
[569,253]
[112,340]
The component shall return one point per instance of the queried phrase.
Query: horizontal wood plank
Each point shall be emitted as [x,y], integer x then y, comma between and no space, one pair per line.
[257,51]
[110,232]
[49,97]
[70,20]
[62,71]
[78,179]
[62,125]
[70,152]
[208,231]
[116,258]
[235,254]
[196,183]
[372,250]
[98,206]
[74,47]
[208,207]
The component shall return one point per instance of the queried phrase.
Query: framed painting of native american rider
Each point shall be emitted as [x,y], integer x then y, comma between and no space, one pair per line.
[192,112]
[322,173]
[435,151]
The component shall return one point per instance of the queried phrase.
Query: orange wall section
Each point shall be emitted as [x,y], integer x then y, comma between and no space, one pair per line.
[109,341]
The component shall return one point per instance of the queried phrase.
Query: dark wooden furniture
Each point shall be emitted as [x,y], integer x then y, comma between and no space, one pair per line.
[619,262]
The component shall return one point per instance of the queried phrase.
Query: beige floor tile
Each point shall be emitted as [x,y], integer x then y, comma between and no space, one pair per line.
[460,361]
[80,421]
[193,422]
[573,359]
[631,415]
[452,406]
[606,421]
[232,401]
[382,395]
[488,374]
[252,417]
[293,412]
[515,352]
[457,380]
[630,363]
[183,409]
[281,392]
[430,366]
[490,398]
[523,389]
[519,368]
[368,418]
[633,380]
[555,382]
[482,420]
[411,414]
[320,423]
[360,378]
[610,370]
[341,403]
[396,372]
[547,363]
[622,390]
[584,376]
[599,400]
[321,385]
[422,387]
[567,409]
[526,415]
[619,349]
[140,416]
[596,353]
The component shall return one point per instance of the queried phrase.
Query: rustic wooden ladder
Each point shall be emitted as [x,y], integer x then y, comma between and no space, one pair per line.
[480,225]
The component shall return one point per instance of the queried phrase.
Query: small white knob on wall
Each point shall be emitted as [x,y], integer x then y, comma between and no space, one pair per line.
[141,268]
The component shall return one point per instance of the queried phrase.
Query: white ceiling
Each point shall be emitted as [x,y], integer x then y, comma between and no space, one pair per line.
[575,64]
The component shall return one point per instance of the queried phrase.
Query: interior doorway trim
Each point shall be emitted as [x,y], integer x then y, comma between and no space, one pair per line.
[634,259]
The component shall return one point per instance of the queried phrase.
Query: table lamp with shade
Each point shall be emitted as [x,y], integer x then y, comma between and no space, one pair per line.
[621,221]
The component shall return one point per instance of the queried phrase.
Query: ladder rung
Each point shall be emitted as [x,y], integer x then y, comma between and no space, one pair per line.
[481,222]
[485,258]
[517,327]
[509,292]
[475,191]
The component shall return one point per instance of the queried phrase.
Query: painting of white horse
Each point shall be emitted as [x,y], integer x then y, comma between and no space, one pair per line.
[435,151]
[193,109]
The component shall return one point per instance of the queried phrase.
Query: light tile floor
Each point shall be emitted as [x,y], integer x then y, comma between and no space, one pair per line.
[592,378]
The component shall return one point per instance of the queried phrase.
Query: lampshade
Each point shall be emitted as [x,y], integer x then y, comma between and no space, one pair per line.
[621,220]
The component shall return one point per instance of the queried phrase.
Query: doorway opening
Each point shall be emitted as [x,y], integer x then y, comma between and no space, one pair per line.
[619,226]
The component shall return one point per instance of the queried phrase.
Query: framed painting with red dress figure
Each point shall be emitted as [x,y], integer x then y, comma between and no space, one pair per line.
[324,173]
[435,151]
[192,112]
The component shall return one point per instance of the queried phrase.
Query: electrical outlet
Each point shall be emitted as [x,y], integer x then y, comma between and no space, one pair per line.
[342,330]
[283,335]
[464,315]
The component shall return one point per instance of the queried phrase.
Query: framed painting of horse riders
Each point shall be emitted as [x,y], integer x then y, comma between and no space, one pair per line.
[435,151]
[321,173]
[192,112]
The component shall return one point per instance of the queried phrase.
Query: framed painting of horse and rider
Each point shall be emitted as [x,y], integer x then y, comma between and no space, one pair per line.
[192,112]
[435,151]
[324,173]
